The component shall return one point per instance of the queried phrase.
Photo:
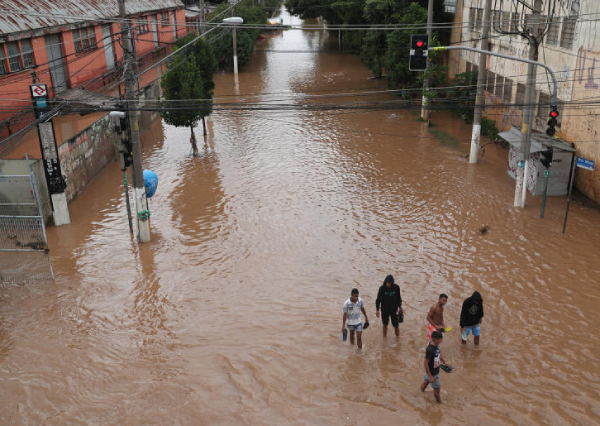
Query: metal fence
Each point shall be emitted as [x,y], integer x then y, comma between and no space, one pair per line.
[23,244]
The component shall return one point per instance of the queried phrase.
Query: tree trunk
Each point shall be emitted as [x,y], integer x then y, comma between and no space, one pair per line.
[204,126]
[193,142]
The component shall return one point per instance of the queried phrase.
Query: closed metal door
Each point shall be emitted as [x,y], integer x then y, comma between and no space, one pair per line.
[56,63]
[174,26]
[108,47]
[154,31]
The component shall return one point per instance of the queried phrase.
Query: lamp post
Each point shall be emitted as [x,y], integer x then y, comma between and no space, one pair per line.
[234,20]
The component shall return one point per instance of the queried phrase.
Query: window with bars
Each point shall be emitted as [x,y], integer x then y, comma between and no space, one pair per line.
[520,100]
[472,12]
[479,18]
[468,67]
[507,93]
[165,18]
[513,22]
[84,39]
[14,56]
[27,53]
[503,20]
[552,34]
[490,81]
[450,6]
[568,33]
[142,27]
[499,86]
[17,56]
[3,67]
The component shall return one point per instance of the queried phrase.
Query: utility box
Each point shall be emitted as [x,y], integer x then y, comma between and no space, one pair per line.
[558,176]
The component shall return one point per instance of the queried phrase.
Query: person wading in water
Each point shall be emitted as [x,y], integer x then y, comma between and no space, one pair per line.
[390,302]
[435,317]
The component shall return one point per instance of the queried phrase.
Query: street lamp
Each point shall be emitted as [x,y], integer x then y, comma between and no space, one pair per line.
[234,20]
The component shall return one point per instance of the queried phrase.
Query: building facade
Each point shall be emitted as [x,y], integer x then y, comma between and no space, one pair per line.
[75,47]
[570,47]
[75,44]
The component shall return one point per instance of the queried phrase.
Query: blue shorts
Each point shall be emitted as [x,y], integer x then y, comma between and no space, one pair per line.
[436,381]
[475,329]
[356,327]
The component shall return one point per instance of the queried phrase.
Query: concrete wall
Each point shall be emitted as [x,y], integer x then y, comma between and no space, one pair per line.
[84,156]
[19,167]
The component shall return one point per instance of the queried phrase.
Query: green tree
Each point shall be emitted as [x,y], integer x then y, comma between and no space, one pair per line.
[189,78]
[246,38]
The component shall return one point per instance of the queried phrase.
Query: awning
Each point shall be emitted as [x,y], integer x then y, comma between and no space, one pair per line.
[539,140]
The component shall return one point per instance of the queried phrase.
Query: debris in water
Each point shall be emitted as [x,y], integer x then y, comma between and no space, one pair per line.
[484,229]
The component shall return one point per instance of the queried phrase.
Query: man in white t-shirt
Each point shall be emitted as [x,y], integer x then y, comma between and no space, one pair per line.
[352,309]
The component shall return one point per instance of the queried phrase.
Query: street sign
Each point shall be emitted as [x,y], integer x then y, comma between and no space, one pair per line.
[546,173]
[585,163]
[39,91]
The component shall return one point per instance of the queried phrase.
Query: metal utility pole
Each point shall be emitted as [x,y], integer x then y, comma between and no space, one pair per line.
[424,110]
[524,149]
[139,192]
[481,78]
[202,17]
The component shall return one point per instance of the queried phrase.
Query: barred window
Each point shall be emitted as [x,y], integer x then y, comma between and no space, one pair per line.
[84,39]
[92,34]
[3,69]
[520,100]
[514,22]
[14,56]
[499,86]
[468,67]
[472,12]
[504,20]
[552,35]
[27,53]
[568,33]
[450,6]
[165,18]
[479,18]
[142,27]
[491,80]
[508,87]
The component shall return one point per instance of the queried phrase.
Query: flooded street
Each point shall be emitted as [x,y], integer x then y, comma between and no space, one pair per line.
[232,314]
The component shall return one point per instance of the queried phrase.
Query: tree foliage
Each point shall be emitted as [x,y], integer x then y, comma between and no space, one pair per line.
[383,52]
[246,38]
[190,78]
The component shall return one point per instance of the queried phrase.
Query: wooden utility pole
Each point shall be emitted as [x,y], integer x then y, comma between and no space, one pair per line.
[481,78]
[139,192]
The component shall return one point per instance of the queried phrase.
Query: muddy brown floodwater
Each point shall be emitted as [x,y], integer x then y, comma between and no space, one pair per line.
[232,314]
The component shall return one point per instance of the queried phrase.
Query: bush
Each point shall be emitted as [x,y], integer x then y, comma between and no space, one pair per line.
[488,128]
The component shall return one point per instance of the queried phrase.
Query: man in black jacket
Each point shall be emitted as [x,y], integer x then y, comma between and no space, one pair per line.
[471,316]
[390,302]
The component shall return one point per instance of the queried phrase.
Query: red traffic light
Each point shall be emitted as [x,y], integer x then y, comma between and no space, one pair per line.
[554,113]
[420,43]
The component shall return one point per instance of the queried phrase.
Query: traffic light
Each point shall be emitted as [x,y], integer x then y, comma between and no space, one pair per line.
[419,43]
[546,158]
[127,153]
[552,122]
